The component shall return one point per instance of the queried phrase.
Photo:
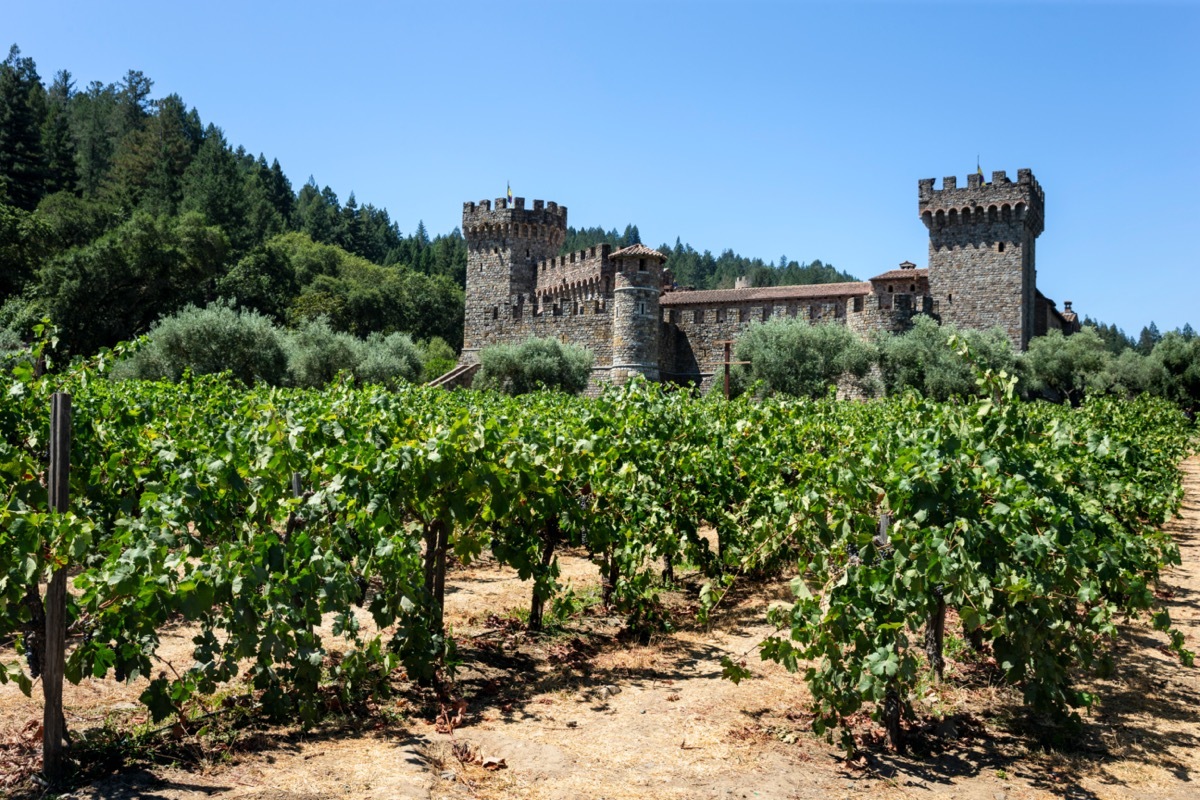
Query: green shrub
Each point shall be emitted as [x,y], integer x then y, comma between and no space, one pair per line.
[792,357]
[1066,368]
[437,358]
[12,349]
[1129,375]
[220,338]
[316,353]
[389,360]
[1176,370]
[921,359]
[534,364]
[215,339]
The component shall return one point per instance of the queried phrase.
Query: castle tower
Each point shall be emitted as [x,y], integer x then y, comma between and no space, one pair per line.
[982,270]
[638,282]
[504,245]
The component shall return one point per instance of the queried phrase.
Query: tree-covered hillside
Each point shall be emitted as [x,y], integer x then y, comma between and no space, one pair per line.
[117,209]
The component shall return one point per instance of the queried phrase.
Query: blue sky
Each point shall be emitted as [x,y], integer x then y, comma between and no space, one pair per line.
[770,128]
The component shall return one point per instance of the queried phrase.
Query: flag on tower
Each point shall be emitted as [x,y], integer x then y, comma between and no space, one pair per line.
[510,194]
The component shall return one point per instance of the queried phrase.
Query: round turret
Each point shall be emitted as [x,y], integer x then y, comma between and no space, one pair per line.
[637,284]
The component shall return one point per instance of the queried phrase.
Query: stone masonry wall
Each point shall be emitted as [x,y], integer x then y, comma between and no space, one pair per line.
[692,335]
[504,245]
[981,251]
[981,274]
[592,330]
[575,277]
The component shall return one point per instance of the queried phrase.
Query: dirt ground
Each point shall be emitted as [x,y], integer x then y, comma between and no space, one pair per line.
[583,714]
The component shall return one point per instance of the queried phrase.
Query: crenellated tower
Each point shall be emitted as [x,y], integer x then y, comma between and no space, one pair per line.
[505,243]
[982,238]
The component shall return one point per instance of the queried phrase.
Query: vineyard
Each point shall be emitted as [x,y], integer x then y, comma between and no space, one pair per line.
[270,520]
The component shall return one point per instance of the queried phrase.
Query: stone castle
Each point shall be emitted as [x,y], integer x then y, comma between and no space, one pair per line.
[622,304]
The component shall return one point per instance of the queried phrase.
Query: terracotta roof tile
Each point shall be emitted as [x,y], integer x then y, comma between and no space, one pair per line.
[636,251]
[905,274]
[808,291]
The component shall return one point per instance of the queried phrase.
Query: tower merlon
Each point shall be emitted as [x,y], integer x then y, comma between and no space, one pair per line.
[501,212]
[596,251]
[983,202]
[951,192]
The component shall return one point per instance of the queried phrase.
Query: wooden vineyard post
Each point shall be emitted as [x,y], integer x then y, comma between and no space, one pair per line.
[54,724]
[728,343]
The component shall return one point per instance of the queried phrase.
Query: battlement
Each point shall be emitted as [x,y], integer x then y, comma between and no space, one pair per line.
[1026,186]
[582,268]
[1001,200]
[577,257]
[488,216]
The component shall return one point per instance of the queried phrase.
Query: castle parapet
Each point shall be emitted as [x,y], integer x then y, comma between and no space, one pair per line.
[979,202]
[486,215]
[585,270]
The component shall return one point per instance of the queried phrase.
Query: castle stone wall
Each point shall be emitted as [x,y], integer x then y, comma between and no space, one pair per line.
[574,277]
[981,251]
[504,244]
[981,274]
[591,330]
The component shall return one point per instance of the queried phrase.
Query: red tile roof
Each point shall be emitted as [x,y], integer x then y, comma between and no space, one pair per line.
[808,291]
[636,251]
[902,274]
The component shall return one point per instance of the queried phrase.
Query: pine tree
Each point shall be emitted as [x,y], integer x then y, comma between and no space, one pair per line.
[349,227]
[22,164]
[133,103]
[174,137]
[281,194]
[149,163]
[312,215]
[213,186]
[58,145]
[1148,338]
[93,122]
[264,220]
